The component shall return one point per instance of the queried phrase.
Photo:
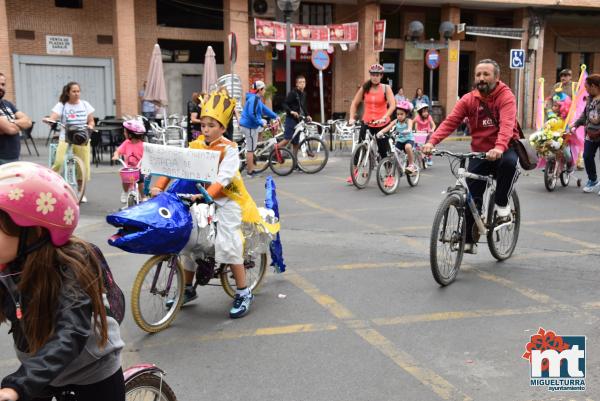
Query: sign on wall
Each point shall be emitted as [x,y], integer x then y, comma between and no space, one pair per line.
[378,35]
[176,162]
[62,45]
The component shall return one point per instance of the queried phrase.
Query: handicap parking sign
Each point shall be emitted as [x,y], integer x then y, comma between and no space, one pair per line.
[517,59]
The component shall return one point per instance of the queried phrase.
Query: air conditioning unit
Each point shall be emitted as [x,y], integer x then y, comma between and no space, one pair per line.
[264,9]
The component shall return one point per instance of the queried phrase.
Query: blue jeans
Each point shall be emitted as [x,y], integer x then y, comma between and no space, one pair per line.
[589,153]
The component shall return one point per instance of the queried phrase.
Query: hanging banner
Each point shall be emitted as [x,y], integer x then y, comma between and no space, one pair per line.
[273,31]
[378,35]
[269,31]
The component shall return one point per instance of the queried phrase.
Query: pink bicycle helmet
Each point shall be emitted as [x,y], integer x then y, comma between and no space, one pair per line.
[378,68]
[135,127]
[33,195]
[404,105]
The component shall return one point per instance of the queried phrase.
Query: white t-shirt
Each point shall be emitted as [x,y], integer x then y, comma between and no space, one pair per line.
[73,114]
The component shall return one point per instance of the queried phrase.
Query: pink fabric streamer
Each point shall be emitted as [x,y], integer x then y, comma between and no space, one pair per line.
[539,119]
[577,140]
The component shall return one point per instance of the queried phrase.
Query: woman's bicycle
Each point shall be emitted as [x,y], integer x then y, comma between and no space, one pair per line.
[364,159]
[448,233]
[393,167]
[73,170]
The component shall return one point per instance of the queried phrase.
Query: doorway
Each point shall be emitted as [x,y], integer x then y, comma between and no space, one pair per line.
[390,59]
[465,73]
[189,85]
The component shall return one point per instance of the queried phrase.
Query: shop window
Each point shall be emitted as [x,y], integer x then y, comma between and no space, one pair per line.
[69,3]
[585,58]
[433,19]
[189,51]
[393,17]
[190,14]
[316,14]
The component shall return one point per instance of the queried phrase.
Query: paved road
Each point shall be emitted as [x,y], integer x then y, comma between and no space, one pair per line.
[362,318]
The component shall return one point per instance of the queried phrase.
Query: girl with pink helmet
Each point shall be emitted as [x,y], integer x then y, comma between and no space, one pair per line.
[132,151]
[51,293]
[405,140]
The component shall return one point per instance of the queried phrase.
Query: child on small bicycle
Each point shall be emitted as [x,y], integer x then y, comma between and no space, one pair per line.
[231,198]
[51,294]
[424,123]
[132,150]
[404,136]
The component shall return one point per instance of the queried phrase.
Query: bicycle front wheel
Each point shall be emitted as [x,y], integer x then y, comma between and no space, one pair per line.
[413,178]
[387,175]
[148,387]
[313,155]
[75,175]
[447,242]
[503,240]
[157,293]
[360,166]
[255,273]
[550,175]
[282,161]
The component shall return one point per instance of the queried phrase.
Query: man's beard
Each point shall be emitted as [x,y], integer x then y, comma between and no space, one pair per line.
[2,93]
[485,88]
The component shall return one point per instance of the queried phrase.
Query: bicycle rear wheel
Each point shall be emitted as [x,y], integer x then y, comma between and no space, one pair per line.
[148,387]
[312,155]
[447,242]
[282,161]
[387,175]
[255,272]
[549,175]
[502,242]
[75,175]
[151,309]
[360,166]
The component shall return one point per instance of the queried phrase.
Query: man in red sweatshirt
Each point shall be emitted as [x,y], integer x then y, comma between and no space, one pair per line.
[492,112]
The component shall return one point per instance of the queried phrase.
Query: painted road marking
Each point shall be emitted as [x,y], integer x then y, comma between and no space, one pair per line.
[334,307]
[575,241]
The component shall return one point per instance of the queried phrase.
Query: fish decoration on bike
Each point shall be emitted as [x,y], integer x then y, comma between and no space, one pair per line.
[161,225]
[165,224]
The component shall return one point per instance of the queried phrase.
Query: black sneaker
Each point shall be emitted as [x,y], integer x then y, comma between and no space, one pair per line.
[471,248]
[188,295]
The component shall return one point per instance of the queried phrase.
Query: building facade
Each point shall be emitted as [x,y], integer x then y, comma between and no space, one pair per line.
[106,45]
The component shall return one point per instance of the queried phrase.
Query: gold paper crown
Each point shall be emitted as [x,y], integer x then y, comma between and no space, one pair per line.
[220,107]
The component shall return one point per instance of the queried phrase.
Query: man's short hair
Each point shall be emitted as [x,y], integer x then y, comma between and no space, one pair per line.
[2,74]
[565,71]
[492,62]
[298,77]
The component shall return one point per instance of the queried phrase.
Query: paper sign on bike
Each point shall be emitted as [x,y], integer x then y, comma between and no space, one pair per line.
[176,162]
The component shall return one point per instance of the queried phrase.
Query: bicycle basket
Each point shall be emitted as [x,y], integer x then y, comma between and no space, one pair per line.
[420,138]
[77,135]
[129,175]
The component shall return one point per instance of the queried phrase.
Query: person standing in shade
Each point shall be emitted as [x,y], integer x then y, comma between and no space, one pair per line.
[12,122]
[148,108]
[295,109]
[420,97]
[400,96]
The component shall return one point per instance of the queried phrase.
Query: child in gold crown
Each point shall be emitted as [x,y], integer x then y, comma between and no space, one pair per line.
[233,202]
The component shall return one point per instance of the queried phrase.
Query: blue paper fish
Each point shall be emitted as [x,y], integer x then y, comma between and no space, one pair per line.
[161,225]
[275,246]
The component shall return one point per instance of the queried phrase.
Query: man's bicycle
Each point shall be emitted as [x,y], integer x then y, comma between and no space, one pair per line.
[269,154]
[313,153]
[73,170]
[393,167]
[448,233]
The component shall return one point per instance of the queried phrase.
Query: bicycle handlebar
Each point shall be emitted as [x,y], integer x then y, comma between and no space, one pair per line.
[60,124]
[469,155]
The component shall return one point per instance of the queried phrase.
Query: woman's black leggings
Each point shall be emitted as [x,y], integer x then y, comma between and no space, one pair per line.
[111,388]
[383,144]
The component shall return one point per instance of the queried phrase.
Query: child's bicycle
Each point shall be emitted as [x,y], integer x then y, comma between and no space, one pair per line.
[73,169]
[393,167]
[421,159]
[557,168]
[269,154]
[130,177]
[448,232]
[142,382]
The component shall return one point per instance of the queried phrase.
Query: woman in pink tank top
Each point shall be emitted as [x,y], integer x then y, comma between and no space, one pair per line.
[379,104]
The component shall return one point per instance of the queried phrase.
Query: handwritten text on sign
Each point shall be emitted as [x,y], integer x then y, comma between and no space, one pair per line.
[175,162]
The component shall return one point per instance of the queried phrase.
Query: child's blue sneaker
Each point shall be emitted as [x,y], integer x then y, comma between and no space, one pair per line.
[241,305]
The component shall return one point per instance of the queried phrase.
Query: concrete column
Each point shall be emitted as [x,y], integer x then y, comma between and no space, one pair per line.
[5,59]
[574,59]
[127,82]
[368,14]
[236,20]
[448,90]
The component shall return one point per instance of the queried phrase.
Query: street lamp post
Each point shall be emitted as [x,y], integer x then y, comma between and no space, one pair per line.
[288,7]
